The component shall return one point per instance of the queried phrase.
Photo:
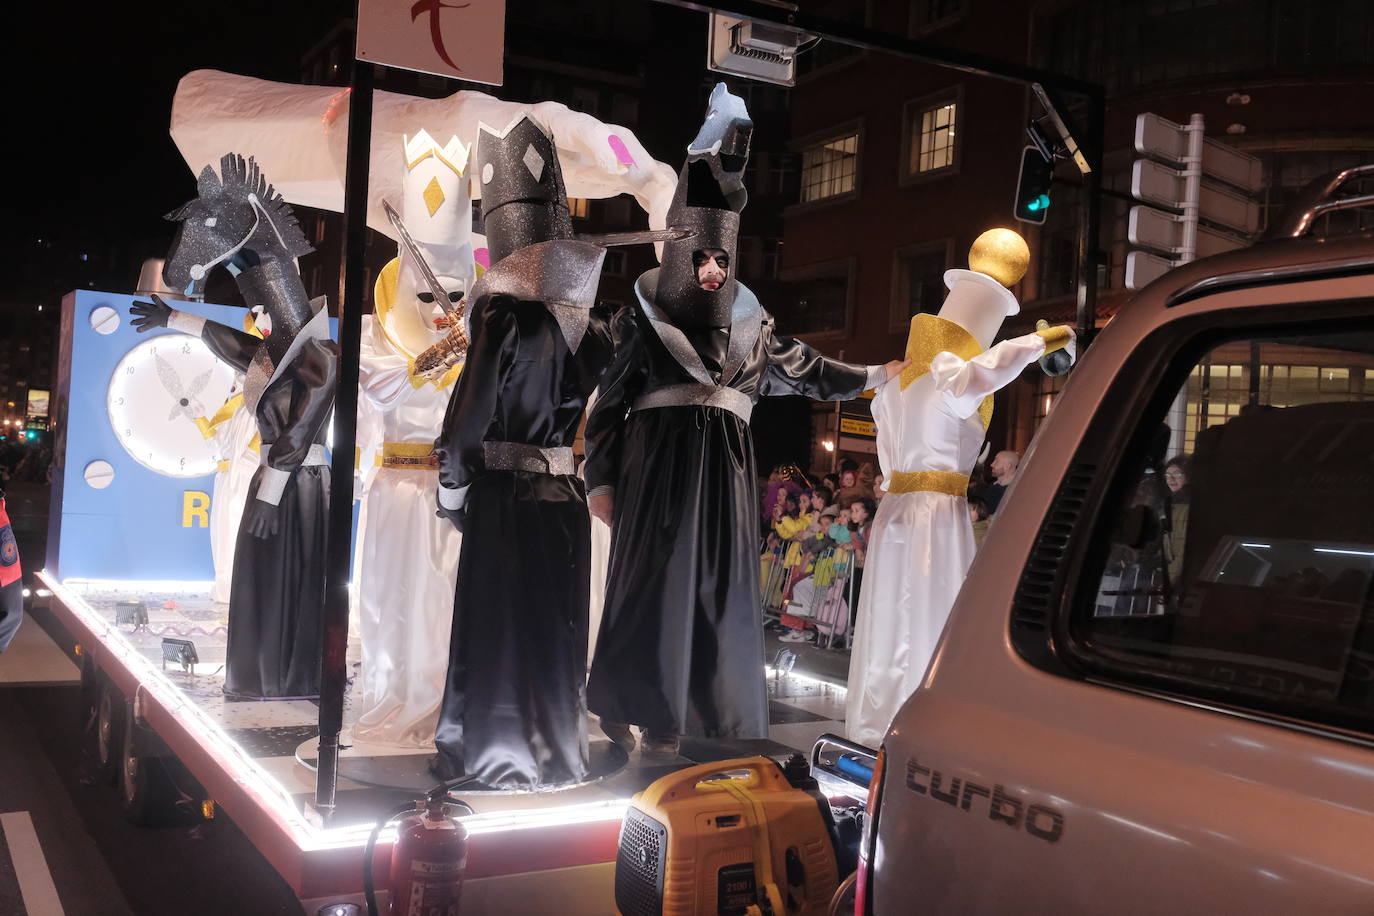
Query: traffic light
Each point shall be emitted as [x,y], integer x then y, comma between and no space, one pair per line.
[30,435]
[1033,187]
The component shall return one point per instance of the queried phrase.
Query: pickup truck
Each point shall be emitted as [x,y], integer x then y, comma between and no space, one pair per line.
[1155,693]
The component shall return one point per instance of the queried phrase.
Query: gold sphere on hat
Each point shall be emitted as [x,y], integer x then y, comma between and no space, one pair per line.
[1001,254]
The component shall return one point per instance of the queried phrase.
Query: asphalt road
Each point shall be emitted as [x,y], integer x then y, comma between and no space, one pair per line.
[64,844]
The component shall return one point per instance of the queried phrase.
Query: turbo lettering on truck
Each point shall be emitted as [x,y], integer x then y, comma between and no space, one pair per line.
[1040,821]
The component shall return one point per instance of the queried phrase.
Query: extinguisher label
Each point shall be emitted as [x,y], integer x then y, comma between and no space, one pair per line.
[434,888]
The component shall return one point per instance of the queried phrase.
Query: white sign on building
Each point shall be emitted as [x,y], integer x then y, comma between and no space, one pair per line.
[461,39]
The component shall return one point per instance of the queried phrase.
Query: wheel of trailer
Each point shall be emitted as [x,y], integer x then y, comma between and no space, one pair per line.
[108,727]
[148,795]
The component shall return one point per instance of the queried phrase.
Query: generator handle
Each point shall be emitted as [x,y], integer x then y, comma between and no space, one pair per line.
[759,769]
[844,744]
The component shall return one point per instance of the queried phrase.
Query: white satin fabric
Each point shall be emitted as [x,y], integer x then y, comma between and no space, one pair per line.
[229,494]
[921,544]
[407,562]
[601,561]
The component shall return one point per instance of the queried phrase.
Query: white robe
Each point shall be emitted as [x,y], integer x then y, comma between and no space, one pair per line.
[408,560]
[233,443]
[596,598]
[921,544]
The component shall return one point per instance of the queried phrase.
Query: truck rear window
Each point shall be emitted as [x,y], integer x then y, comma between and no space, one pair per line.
[1239,559]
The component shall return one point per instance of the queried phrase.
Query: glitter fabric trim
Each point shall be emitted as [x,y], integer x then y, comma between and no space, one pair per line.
[520,456]
[737,402]
[949,482]
[185,322]
[316,455]
[416,456]
[1056,337]
[746,323]
[931,334]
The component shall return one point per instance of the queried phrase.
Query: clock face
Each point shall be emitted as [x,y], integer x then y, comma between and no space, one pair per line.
[157,392]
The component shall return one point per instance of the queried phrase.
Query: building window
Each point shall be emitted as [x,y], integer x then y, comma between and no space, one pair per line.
[614,263]
[930,135]
[579,207]
[319,228]
[919,281]
[816,298]
[928,15]
[830,168]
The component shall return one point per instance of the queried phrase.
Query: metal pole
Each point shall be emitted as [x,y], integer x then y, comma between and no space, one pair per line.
[1187,251]
[333,666]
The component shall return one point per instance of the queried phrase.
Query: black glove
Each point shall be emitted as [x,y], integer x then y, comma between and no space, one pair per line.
[149,315]
[260,519]
[457,516]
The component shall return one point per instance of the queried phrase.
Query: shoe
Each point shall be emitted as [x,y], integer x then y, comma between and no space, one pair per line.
[794,636]
[620,733]
[659,742]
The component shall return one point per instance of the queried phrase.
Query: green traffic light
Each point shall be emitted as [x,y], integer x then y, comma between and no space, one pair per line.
[1040,203]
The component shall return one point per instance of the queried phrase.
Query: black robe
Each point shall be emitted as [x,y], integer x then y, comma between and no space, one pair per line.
[514,707]
[681,644]
[276,602]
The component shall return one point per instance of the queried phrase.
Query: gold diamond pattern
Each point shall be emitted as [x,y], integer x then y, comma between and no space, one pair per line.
[433,196]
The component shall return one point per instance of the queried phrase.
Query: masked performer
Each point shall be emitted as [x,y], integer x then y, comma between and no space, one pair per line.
[514,714]
[277,603]
[680,649]
[409,557]
[931,425]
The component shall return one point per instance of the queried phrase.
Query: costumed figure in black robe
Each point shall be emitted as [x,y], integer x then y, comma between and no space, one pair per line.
[668,447]
[514,708]
[276,603]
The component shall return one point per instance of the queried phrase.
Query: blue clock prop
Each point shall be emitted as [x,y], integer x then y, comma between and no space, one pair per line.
[133,473]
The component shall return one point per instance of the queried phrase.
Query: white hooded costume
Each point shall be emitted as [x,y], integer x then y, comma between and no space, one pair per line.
[931,421]
[408,557]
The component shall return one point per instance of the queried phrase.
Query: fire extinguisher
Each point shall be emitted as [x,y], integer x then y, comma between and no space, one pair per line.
[427,859]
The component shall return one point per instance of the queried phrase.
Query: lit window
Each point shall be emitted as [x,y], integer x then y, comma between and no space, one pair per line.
[830,168]
[930,137]
[578,207]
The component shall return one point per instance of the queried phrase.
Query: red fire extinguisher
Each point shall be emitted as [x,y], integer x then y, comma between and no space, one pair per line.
[427,860]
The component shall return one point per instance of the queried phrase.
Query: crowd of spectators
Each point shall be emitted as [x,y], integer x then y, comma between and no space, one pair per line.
[814,534]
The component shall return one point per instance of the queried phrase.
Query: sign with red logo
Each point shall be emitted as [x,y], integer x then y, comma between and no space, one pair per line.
[462,39]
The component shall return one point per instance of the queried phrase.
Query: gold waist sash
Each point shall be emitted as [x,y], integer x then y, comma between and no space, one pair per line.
[951,482]
[416,456]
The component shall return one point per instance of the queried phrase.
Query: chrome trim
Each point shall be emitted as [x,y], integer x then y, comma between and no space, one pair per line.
[1316,199]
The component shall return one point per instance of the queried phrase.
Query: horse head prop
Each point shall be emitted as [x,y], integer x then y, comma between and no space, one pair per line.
[238,221]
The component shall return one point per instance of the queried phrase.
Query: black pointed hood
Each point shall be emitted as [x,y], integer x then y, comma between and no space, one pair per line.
[523,198]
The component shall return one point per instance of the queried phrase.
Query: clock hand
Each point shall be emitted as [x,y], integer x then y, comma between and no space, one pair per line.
[166,374]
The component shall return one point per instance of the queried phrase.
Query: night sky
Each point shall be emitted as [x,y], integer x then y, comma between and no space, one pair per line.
[87,154]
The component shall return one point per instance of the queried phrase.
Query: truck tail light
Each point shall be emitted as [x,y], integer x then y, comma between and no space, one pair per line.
[862,905]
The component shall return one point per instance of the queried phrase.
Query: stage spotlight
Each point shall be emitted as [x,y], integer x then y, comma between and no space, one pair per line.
[181,651]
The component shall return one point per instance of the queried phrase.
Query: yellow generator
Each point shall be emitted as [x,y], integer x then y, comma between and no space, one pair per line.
[734,838]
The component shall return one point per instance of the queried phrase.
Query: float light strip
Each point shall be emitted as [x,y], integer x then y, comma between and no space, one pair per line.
[489,822]
[806,679]
[242,768]
[245,769]
[1351,553]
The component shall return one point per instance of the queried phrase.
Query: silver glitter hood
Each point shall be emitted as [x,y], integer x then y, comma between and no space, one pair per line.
[563,274]
[523,198]
[710,195]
